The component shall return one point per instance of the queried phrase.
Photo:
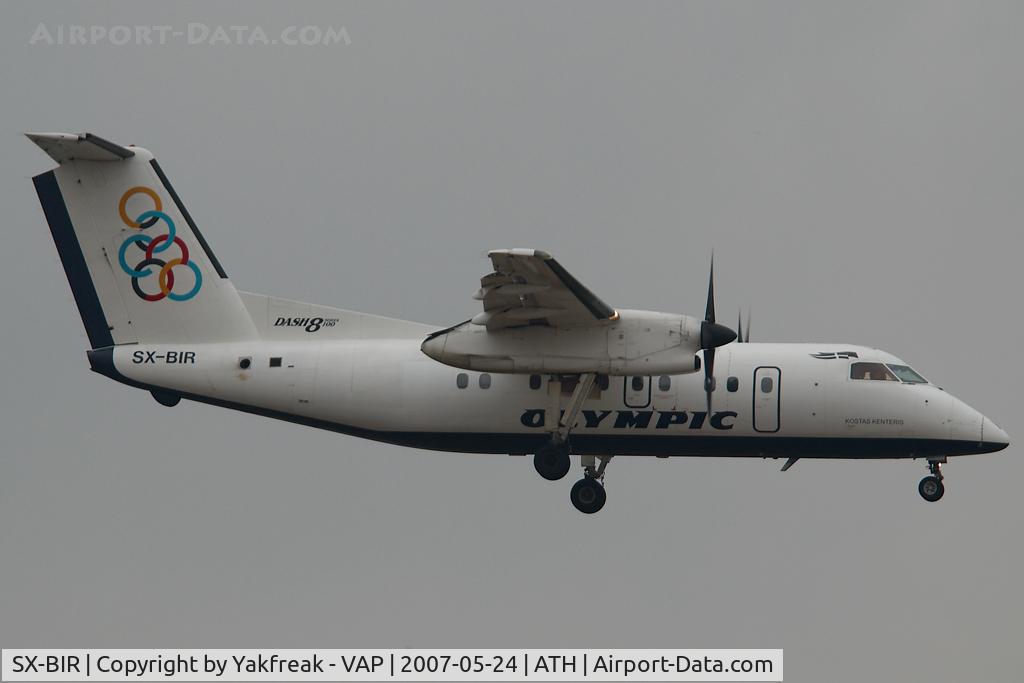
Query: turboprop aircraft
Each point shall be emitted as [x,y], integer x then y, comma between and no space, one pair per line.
[546,368]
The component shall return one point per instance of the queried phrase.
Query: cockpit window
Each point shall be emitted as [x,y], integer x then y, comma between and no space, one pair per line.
[872,371]
[905,373]
[890,373]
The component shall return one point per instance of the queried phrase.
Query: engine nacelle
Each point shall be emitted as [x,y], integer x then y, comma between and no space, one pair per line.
[636,343]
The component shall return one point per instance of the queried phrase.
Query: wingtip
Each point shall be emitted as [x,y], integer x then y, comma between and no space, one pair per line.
[40,135]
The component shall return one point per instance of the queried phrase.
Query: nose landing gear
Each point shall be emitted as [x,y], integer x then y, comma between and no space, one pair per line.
[931,487]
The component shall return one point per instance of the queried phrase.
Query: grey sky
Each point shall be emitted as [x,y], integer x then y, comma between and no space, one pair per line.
[856,167]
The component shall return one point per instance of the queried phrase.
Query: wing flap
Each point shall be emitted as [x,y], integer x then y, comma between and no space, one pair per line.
[529,286]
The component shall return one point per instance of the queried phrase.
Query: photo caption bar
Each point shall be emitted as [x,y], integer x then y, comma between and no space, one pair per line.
[391,665]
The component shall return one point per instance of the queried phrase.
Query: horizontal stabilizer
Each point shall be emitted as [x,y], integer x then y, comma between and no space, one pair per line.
[87,147]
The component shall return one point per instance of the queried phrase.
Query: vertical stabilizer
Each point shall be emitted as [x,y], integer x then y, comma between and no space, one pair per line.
[139,268]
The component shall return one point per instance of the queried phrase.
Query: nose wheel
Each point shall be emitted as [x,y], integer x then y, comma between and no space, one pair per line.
[931,487]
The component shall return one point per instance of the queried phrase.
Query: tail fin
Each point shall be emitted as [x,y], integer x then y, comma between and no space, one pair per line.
[138,266]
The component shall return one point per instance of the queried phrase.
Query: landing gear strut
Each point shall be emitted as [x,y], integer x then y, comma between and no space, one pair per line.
[588,494]
[552,460]
[931,487]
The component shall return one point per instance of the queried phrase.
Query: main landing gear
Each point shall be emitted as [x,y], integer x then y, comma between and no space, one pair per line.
[588,495]
[931,487]
[552,459]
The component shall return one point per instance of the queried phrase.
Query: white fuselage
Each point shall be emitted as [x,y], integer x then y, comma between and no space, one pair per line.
[771,400]
[547,367]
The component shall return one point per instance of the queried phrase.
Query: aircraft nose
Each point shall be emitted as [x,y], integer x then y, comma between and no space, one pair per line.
[992,437]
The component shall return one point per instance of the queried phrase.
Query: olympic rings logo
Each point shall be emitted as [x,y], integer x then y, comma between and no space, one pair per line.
[151,247]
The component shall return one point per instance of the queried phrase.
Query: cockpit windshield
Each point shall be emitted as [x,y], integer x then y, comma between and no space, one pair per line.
[906,374]
[871,371]
[889,373]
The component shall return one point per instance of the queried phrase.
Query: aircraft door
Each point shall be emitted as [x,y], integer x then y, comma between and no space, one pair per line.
[636,391]
[767,408]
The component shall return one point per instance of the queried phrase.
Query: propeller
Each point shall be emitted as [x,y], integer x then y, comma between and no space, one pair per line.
[712,335]
[739,328]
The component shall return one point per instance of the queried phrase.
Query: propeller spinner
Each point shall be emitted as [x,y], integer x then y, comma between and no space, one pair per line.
[712,335]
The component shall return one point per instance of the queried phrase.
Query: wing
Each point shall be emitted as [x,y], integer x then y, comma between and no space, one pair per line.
[529,287]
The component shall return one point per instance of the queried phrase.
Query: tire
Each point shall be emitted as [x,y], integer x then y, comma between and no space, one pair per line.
[931,488]
[552,461]
[588,496]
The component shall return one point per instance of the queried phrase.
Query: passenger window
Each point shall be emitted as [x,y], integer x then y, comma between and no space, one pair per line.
[664,383]
[535,382]
[876,371]
[462,380]
[485,381]
[637,383]
[275,362]
[732,384]
[766,385]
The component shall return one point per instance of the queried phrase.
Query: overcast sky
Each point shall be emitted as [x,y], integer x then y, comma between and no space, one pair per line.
[857,168]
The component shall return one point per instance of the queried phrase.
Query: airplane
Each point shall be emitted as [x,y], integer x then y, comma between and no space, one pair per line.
[545,368]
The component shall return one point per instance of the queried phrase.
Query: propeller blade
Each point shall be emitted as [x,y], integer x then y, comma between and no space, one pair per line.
[712,335]
[747,338]
[709,312]
[709,374]
[739,327]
